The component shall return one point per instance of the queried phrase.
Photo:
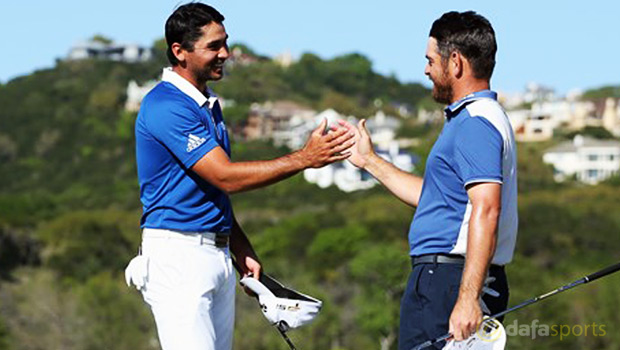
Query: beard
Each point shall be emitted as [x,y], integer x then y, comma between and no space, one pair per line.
[443,93]
[213,71]
[442,88]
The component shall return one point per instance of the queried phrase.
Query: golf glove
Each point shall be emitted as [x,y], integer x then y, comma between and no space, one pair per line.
[136,272]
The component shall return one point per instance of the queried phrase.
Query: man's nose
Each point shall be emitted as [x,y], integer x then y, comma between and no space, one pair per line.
[224,52]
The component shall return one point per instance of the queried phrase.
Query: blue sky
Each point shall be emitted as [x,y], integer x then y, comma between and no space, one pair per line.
[564,45]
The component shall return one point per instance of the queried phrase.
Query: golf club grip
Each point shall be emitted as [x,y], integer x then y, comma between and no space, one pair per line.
[604,272]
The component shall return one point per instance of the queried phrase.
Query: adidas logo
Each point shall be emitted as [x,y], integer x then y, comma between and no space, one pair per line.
[194,141]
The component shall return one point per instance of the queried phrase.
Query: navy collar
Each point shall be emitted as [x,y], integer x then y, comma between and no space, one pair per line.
[453,109]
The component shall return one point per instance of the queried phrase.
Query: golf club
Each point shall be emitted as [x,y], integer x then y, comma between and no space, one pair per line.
[589,278]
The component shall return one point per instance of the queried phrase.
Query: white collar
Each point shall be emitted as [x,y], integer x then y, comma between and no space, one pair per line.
[187,88]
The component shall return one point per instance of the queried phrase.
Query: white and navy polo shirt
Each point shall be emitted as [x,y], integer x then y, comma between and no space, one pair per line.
[176,126]
[476,145]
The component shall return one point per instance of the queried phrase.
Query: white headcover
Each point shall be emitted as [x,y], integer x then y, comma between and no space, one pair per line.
[282,306]
[491,335]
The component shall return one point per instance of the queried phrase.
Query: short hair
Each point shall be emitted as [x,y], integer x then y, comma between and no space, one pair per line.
[184,26]
[471,35]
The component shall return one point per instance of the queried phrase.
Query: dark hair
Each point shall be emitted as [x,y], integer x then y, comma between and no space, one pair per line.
[471,35]
[184,26]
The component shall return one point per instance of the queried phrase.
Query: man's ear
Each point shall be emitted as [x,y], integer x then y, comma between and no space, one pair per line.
[178,51]
[456,64]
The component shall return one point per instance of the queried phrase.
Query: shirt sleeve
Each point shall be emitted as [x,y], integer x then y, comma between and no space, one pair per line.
[478,152]
[181,131]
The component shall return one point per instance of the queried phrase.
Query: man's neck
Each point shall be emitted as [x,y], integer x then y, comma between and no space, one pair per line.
[202,87]
[468,87]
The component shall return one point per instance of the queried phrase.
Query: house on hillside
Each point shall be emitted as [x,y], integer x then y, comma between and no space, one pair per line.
[135,94]
[275,120]
[110,51]
[383,129]
[589,160]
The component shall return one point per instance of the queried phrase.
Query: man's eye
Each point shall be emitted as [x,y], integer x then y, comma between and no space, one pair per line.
[216,46]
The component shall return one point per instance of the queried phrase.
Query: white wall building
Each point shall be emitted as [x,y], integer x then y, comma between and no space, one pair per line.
[112,51]
[135,94]
[589,160]
[383,129]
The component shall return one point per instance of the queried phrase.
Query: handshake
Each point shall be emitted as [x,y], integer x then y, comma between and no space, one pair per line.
[339,141]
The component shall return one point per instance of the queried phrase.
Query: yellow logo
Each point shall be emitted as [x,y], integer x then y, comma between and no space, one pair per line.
[489,330]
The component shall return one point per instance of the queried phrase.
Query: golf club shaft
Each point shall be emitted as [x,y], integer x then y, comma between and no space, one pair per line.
[589,278]
[287,339]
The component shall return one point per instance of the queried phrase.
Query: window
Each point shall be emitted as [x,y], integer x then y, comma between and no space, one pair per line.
[592,157]
[592,173]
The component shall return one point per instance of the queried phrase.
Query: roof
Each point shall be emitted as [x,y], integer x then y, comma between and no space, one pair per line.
[582,142]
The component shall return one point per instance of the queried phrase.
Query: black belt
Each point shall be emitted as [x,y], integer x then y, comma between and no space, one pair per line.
[221,240]
[437,259]
[443,259]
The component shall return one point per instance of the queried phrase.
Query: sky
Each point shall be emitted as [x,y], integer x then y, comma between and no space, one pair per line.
[564,45]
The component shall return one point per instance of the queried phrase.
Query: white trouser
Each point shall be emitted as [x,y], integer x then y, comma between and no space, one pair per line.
[190,286]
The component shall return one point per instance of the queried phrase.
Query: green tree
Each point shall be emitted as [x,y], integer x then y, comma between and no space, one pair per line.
[602,92]
[82,243]
[4,336]
[101,39]
[381,272]
[116,315]
[334,245]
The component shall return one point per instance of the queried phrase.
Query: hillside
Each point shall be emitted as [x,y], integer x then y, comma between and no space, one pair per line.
[69,214]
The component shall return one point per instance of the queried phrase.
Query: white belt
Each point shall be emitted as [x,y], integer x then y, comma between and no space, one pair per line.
[209,238]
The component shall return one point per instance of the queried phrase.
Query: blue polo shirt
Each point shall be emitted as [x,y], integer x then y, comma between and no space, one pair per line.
[176,126]
[476,145]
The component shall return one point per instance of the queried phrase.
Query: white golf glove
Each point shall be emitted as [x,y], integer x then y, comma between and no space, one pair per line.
[136,272]
[283,307]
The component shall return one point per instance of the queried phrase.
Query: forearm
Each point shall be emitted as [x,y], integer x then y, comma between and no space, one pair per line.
[481,242]
[407,187]
[233,177]
[244,176]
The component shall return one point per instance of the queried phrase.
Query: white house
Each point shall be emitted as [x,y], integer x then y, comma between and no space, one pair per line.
[109,51]
[135,94]
[383,129]
[279,121]
[589,160]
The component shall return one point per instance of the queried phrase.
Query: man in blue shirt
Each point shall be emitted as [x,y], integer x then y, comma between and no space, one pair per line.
[186,176]
[465,226]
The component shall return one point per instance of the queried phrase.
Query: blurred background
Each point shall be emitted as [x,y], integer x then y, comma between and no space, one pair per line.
[72,75]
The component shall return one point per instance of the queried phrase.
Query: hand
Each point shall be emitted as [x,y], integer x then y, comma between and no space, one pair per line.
[363,150]
[249,264]
[465,318]
[322,149]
